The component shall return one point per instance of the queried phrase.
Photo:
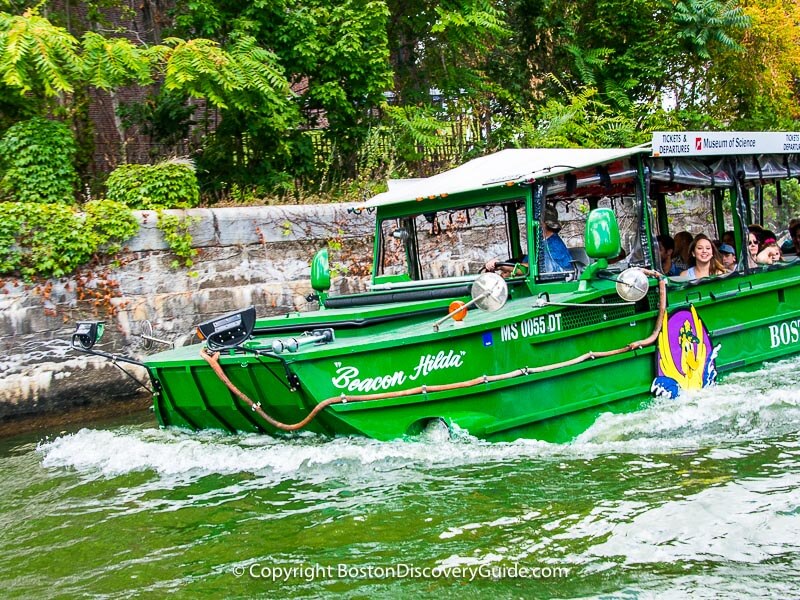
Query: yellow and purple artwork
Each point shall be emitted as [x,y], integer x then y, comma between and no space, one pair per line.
[685,358]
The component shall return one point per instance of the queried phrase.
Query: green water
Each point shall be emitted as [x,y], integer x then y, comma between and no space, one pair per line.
[697,497]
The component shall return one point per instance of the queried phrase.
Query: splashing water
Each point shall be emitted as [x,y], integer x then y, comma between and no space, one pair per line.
[727,413]
[694,496]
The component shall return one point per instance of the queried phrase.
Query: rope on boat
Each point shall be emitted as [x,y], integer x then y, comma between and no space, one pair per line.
[212,358]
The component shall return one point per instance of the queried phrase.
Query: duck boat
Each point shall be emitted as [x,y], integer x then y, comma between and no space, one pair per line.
[538,353]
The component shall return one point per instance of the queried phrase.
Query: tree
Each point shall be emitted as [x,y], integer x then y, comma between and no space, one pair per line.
[336,56]
[704,29]
[45,62]
[760,87]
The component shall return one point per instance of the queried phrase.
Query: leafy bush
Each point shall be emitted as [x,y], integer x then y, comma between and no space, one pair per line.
[170,184]
[36,162]
[54,239]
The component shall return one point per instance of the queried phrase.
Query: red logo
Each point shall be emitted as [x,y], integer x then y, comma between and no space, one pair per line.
[698,143]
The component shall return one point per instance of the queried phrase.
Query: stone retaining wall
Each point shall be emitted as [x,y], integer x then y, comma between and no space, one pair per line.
[247,255]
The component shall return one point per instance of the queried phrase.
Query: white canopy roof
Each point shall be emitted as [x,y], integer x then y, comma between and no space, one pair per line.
[506,166]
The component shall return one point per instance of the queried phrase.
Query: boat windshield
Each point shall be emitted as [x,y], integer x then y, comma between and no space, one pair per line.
[452,243]
[572,215]
[573,195]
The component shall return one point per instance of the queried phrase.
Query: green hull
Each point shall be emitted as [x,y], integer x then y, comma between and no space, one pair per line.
[553,405]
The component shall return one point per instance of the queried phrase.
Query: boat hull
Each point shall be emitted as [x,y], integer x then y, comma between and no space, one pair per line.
[541,400]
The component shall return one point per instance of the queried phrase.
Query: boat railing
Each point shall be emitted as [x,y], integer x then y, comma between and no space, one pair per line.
[417,294]
[412,291]
[446,281]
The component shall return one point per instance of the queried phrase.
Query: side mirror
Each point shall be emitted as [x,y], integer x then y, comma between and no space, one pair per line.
[632,285]
[602,234]
[87,333]
[489,292]
[321,272]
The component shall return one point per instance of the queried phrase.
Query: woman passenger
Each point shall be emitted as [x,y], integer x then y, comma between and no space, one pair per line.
[704,259]
[752,249]
[768,251]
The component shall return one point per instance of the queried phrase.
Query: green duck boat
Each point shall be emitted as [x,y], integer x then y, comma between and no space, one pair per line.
[538,352]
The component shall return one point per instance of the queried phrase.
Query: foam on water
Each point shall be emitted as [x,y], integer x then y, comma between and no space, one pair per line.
[747,521]
[747,406]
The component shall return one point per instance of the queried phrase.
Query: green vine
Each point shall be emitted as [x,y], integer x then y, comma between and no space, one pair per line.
[52,240]
[176,233]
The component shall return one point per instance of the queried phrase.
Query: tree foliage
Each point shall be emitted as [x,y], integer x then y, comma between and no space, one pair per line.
[337,57]
[405,85]
[36,56]
[760,86]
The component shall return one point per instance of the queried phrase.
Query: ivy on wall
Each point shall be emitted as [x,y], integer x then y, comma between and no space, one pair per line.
[176,233]
[52,240]
[170,184]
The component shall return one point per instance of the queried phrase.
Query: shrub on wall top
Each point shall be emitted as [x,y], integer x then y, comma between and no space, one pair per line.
[170,184]
[36,162]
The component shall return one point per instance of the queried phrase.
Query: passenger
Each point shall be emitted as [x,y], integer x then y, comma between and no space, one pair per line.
[728,255]
[752,249]
[704,258]
[768,251]
[666,247]
[794,235]
[556,255]
[680,256]
[729,237]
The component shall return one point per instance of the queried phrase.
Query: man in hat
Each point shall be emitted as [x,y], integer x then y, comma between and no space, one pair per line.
[556,254]
[728,255]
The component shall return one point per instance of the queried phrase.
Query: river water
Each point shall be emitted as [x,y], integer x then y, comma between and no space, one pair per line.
[698,496]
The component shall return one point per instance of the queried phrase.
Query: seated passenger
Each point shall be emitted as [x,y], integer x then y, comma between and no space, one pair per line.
[703,258]
[752,249]
[680,256]
[729,237]
[728,255]
[666,247]
[768,251]
[556,254]
[794,236]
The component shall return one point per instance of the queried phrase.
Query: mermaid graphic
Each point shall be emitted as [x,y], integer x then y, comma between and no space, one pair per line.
[685,358]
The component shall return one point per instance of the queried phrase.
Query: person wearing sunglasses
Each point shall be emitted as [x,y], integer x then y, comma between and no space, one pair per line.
[752,248]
